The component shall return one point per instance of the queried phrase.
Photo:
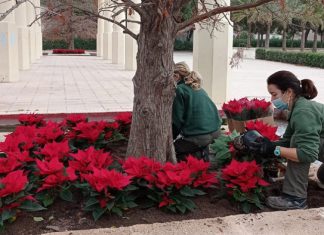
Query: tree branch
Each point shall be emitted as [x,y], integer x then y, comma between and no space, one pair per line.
[5,14]
[220,10]
[126,30]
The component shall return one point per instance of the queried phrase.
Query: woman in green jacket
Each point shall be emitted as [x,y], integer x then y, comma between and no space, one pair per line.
[303,140]
[195,118]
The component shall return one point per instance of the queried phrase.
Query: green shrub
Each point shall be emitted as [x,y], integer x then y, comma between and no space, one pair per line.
[180,45]
[302,58]
[86,44]
[275,42]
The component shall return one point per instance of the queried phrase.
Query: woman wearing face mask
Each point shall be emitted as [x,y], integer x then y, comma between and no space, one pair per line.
[303,140]
[195,118]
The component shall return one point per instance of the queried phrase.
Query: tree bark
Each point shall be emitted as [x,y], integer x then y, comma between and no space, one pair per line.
[267,40]
[306,36]
[248,43]
[284,38]
[258,40]
[315,41]
[302,39]
[154,91]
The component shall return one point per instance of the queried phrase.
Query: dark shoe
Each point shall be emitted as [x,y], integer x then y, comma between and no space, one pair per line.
[286,203]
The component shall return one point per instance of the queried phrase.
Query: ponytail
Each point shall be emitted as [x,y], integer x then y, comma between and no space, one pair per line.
[309,90]
[193,80]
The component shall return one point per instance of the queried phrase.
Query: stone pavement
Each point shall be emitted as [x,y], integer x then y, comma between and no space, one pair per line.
[287,222]
[88,84]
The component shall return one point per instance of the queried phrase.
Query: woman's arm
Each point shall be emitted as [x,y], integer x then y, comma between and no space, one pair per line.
[289,154]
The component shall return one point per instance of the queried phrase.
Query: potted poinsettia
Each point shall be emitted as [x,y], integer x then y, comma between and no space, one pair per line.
[244,109]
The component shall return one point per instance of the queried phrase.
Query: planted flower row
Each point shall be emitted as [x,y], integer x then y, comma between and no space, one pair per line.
[41,161]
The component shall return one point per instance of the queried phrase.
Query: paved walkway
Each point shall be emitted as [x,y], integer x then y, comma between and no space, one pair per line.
[87,84]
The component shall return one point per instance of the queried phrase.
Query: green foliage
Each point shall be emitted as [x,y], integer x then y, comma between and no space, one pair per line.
[301,58]
[274,42]
[221,149]
[187,10]
[86,44]
[180,45]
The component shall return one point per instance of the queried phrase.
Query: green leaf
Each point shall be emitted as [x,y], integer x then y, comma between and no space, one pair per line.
[5,215]
[38,219]
[187,191]
[91,201]
[190,205]
[66,195]
[172,208]
[181,208]
[152,198]
[246,207]
[97,213]
[198,192]
[110,205]
[117,211]
[131,187]
[131,204]
[31,206]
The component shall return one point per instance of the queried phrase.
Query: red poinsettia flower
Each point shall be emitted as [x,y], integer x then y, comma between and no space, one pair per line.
[233,106]
[49,167]
[31,119]
[49,133]
[243,175]
[264,129]
[102,179]
[112,125]
[125,118]
[178,179]
[87,160]
[22,157]
[206,180]
[8,164]
[142,167]
[166,201]
[76,118]
[58,178]
[14,182]
[197,165]
[55,150]
[89,130]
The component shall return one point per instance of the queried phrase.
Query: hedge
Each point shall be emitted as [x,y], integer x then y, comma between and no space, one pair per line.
[180,45]
[275,42]
[302,58]
[86,44]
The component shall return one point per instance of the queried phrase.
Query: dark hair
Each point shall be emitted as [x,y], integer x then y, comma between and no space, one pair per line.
[285,79]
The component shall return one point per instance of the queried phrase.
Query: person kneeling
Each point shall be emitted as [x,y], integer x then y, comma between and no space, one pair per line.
[195,118]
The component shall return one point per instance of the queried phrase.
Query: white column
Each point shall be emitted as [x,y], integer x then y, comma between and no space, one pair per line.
[8,45]
[32,32]
[211,58]
[100,29]
[118,42]
[38,32]
[107,37]
[23,37]
[131,43]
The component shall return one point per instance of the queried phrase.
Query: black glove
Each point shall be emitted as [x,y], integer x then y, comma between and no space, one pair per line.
[264,148]
[248,141]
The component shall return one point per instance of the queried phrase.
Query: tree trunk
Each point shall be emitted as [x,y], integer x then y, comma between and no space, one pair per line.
[267,40]
[302,39]
[154,91]
[284,38]
[262,40]
[315,41]
[248,42]
[292,41]
[306,36]
[258,40]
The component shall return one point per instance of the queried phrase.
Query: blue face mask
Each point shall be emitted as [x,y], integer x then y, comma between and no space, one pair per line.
[279,104]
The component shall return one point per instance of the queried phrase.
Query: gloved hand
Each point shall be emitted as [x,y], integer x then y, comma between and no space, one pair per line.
[248,141]
[252,141]
[264,148]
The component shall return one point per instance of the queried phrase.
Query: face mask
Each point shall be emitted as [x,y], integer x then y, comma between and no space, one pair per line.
[279,104]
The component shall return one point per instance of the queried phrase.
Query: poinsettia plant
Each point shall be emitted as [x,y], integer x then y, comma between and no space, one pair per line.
[171,186]
[244,183]
[245,109]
